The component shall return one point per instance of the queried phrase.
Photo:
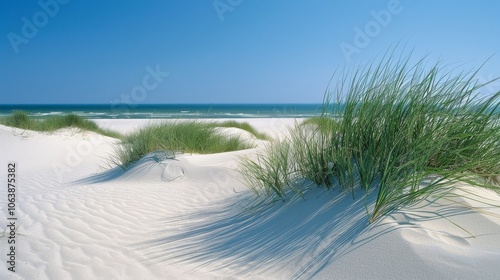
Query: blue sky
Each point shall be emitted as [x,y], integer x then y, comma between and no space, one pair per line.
[223,51]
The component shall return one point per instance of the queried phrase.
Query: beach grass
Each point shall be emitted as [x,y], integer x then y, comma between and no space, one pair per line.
[182,136]
[192,136]
[322,123]
[245,126]
[404,132]
[21,119]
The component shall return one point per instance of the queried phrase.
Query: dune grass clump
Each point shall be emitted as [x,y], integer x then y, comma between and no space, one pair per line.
[20,119]
[322,123]
[245,126]
[403,131]
[186,136]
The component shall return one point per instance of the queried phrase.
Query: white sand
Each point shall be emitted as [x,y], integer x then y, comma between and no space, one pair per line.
[192,218]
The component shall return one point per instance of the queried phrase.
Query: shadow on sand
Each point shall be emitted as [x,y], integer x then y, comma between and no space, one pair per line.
[248,237]
[304,235]
[152,162]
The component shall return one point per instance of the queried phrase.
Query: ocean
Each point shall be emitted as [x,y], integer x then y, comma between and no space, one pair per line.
[168,111]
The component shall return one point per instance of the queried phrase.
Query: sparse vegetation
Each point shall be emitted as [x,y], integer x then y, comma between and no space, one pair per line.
[182,136]
[20,119]
[245,126]
[189,136]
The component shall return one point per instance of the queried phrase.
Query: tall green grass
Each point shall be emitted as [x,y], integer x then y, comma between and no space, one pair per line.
[182,136]
[404,132]
[20,119]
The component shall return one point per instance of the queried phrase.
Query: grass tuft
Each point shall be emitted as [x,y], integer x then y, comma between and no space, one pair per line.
[186,136]
[20,119]
[402,131]
[245,126]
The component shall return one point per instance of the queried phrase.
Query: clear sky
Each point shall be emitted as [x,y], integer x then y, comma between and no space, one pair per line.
[223,51]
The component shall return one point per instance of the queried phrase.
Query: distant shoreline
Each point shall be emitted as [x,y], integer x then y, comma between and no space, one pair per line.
[168,111]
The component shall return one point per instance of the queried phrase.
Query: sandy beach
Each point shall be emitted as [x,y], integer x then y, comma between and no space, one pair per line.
[249,140]
[80,217]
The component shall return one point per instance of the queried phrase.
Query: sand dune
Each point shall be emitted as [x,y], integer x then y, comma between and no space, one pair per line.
[191,217]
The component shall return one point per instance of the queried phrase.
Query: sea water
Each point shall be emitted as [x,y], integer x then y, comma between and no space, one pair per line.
[168,111]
